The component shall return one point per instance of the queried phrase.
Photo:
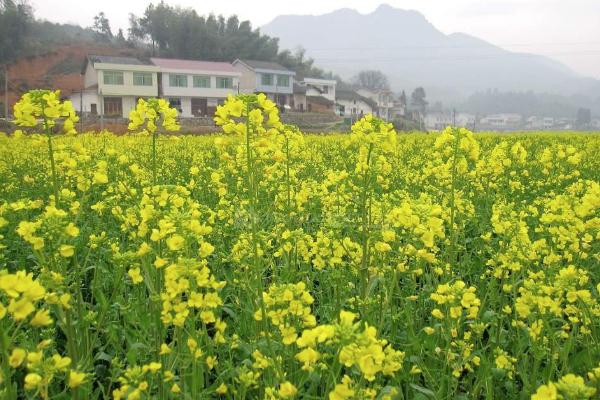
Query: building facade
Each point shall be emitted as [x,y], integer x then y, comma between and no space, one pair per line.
[112,85]
[314,95]
[351,104]
[266,77]
[195,88]
[384,100]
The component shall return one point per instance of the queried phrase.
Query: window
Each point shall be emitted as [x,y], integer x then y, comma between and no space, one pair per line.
[113,106]
[175,102]
[224,83]
[283,80]
[267,79]
[201,81]
[177,80]
[142,79]
[113,77]
[325,89]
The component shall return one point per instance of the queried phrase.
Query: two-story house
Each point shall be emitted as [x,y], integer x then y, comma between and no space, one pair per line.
[351,104]
[383,98]
[195,88]
[314,95]
[113,84]
[266,77]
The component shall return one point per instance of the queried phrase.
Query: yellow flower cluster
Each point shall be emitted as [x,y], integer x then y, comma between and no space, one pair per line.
[456,298]
[287,307]
[355,347]
[259,112]
[24,294]
[45,105]
[148,114]
[570,386]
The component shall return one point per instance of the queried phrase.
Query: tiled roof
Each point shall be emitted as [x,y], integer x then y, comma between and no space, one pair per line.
[319,100]
[352,95]
[255,64]
[172,63]
[117,60]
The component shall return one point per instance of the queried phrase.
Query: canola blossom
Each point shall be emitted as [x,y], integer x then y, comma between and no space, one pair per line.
[263,263]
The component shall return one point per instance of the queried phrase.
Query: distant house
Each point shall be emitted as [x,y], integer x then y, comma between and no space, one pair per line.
[195,88]
[437,120]
[266,77]
[314,95]
[384,99]
[351,104]
[501,120]
[465,120]
[398,110]
[112,85]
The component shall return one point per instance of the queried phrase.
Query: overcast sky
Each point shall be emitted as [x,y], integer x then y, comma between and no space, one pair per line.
[566,30]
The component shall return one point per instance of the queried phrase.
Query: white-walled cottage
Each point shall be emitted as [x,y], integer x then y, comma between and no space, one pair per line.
[113,84]
[195,88]
[266,77]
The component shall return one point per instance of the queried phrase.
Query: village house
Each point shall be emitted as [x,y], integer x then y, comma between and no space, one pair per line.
[351,104]
[314,95]
[384,100]
[437,120]
[398,110]
[506,120]
[266,77]
[195,88]
[112,85]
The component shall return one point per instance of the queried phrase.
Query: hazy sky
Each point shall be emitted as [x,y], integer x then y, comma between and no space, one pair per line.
[566,30]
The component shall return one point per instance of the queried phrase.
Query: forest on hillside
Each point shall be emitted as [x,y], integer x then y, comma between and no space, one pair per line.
[163,30]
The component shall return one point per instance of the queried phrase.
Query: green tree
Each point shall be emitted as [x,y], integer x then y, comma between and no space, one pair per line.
[15,22]
[102,26]
[372,80]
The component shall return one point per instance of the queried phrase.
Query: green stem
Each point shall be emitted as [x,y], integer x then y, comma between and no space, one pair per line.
[154,158]
[364,267]
[452,255]
[52,162]
[6,371]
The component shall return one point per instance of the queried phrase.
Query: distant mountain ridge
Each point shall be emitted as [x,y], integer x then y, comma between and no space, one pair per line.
[412,52]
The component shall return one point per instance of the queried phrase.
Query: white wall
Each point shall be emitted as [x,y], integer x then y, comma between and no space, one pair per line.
[274,88]
[89,97]
[191,91]
[354,105]
[247,78]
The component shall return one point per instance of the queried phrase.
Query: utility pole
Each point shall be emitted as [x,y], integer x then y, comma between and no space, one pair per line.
[6,92]
[81,111]
[454,117]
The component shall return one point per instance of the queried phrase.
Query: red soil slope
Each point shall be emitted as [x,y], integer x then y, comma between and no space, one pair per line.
[60,68]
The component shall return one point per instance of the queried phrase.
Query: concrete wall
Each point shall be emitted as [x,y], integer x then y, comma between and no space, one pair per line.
[247,78]
[127,88]
[191,91]
[354,107]
[274,88]
[89,97]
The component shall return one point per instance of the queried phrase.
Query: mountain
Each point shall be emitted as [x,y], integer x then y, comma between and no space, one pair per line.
[412,52]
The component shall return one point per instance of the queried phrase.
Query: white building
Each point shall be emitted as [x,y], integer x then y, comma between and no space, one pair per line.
[465,120]
[351,104]
[195,88]
[112,85]
[266,77]
[502,120]
[437,120]
[384,100]
[314,95]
